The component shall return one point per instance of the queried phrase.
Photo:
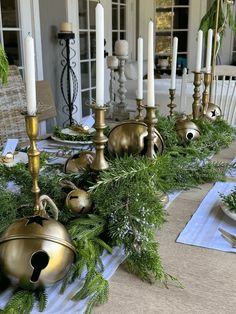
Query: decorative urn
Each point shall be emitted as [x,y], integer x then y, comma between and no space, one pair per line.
[131,138]
[36,252]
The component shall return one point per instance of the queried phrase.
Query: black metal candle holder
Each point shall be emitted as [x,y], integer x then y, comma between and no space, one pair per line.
[68,81]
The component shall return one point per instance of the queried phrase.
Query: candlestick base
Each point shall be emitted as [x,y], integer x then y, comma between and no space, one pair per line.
[99,163]
[197,106]
[205,96]
[151,121]
[140,107]
[171,105]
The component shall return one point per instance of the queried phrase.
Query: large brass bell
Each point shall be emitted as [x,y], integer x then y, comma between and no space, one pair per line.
[36,251]
[213,112]
[81,161]
[187,130]
[131,138]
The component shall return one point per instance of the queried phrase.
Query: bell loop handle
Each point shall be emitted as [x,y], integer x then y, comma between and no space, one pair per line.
[45,200]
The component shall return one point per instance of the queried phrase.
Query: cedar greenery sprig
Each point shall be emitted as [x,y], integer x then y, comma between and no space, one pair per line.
[230,200]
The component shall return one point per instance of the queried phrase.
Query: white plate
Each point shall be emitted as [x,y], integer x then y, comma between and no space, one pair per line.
[57,139]
[73,132]
[226,210]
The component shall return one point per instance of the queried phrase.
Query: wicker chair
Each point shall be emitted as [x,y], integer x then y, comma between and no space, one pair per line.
[13,103]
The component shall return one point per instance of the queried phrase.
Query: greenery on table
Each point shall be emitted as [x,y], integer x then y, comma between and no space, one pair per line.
[127,206]
[69,137]
[230,200]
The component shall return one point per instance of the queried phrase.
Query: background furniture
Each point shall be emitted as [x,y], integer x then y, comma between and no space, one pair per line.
[13,103]
[224,91]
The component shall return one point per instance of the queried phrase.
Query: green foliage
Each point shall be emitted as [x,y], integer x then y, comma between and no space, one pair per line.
[4,66]
[80,137]
[127,207]
[21,302]
[230,200]
[209,19]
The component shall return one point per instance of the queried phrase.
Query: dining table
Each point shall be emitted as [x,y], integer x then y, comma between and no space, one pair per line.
[207,276]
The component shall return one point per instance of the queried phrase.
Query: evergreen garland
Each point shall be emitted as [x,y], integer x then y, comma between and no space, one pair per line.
[127,207]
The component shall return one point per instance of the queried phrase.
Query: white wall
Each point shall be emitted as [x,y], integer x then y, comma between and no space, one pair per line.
[52,13]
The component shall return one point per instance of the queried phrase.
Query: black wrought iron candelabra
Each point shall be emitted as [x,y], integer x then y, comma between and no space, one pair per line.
[68,81]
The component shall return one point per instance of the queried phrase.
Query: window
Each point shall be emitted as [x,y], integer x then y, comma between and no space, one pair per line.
[172,20]
[10,31]
[87,35]
[118,20]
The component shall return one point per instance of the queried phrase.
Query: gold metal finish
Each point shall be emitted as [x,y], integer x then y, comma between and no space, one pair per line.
[78,162]
[99,140]
[79,201]
[197,106]
[171,105]
[205,96]
[39,237]
[139,103]
[213,112]
[187,130]
[151,121]
[130,137]
[34,157]
[36,251]
[228,237]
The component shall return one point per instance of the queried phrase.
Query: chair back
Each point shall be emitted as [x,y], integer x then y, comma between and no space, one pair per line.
[12,104]
[223,91]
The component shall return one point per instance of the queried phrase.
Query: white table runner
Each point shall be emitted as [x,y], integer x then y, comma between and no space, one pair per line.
[202,229]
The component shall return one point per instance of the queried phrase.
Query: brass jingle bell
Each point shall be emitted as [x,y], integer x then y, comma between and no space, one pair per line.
[36,252]
[130,137]
[79,201]
[77,162]
[187,130]
[213,112]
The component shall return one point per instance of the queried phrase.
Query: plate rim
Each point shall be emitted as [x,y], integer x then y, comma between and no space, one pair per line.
[57,139]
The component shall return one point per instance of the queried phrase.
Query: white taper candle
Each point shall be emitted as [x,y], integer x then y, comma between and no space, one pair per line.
[199,51]
[174,63]
[209,50]
[30,76]
[99,55]
[140,69]
[150,79]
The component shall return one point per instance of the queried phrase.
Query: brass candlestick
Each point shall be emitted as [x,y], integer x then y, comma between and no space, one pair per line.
[139,103]
[151,121]
[171,105]
[34,157]
[197,106]
[205,96]
[99,140]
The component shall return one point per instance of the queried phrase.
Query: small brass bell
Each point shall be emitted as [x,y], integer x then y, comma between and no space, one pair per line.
[36,251]
[131,138]
[81,161]
[187,130]
[77,200]
[213,112]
